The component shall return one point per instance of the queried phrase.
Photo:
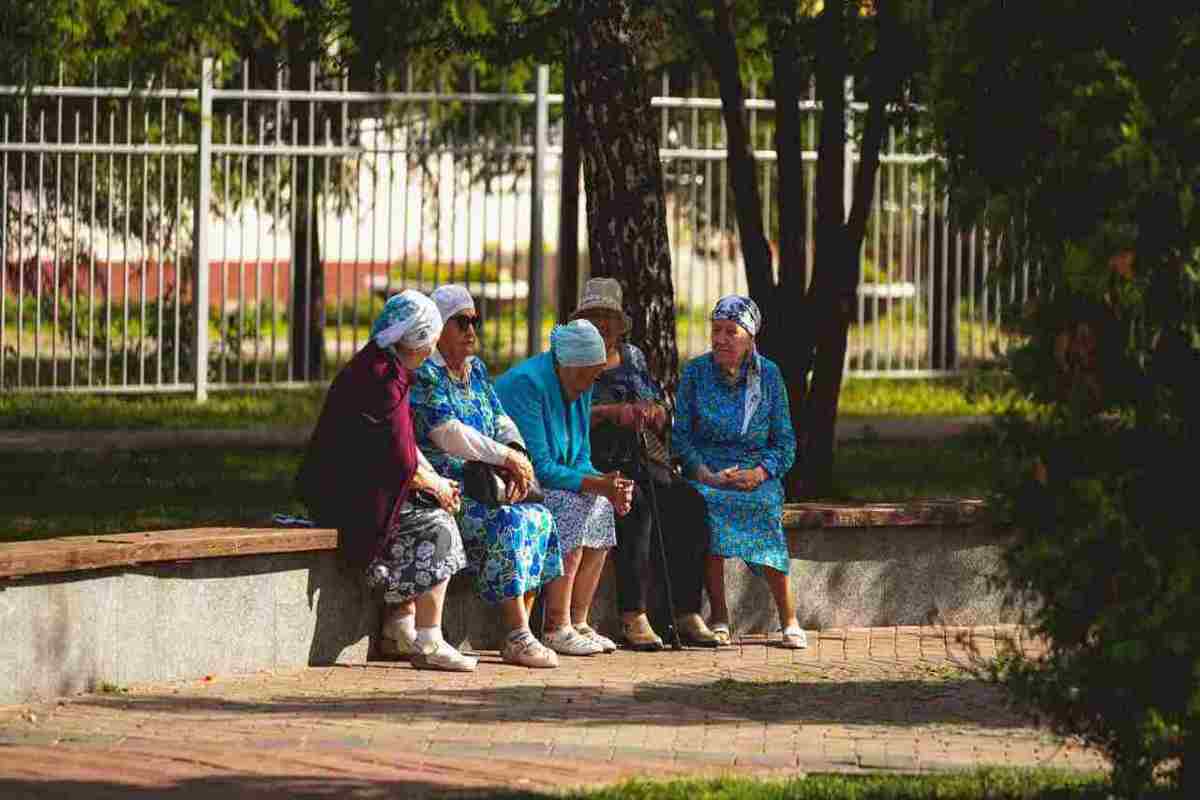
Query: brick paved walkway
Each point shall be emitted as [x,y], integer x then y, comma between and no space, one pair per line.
[860,699]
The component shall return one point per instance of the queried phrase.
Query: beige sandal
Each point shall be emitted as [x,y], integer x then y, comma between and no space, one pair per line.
[721,633]
[638,635]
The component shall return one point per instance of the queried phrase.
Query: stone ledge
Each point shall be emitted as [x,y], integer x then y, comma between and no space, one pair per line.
[924,513]
[81,553]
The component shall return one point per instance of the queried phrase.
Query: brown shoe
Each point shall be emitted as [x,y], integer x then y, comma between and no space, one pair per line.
[638,634]
[693,631]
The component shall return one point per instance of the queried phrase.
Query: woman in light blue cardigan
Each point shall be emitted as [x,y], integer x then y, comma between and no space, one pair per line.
[549,397]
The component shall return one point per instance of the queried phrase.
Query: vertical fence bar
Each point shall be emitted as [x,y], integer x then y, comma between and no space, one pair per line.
[91,337]
[312,210]
[160,210]
[145,246]
[178,259]
[37,254]
[4,223]
[74,275]
[200,232]
[55,234]
[848,165]
[536,209]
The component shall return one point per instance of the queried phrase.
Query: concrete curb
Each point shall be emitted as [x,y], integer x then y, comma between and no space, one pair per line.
[104,441]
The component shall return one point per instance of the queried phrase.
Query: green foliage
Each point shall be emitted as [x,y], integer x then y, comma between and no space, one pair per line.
[1075,126]
[984,784]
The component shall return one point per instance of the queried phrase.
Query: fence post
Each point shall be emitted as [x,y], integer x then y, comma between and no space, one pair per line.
[848,166]
[537,209]
[200,230]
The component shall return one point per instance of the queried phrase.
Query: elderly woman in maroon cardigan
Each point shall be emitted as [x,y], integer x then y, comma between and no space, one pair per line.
[363,474]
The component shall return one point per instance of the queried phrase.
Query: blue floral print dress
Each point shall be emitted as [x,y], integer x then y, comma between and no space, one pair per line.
[512,549]
[710,429]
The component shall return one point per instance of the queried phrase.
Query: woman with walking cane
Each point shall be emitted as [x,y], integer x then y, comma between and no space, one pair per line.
[628,432]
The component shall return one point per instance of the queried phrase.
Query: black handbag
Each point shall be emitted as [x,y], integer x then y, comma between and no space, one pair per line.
[484,484]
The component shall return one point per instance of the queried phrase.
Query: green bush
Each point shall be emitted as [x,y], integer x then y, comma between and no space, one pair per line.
[1098,489]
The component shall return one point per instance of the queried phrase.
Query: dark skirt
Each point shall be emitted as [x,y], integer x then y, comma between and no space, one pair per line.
[421,549]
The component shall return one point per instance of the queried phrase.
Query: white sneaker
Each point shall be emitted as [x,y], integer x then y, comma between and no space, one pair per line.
[588,632]
[529,652]
[794,639]
[569,642]
[446,658]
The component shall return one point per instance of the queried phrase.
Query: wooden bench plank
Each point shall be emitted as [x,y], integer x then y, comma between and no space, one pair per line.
[70,554]
[75,553]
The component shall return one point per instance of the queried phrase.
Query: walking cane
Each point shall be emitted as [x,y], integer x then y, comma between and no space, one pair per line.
[672,632]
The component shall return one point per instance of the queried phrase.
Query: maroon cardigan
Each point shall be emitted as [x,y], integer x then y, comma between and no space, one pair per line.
[362,455]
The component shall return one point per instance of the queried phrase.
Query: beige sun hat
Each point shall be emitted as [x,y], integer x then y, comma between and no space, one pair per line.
[602,294]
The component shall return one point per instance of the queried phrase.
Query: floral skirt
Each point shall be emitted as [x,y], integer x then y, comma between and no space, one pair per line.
[421,549]
[583,520]
[748,525]
[511,549]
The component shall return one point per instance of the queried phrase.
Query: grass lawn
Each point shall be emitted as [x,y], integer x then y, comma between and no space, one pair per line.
[976,394]
[64,494]
[1006,784]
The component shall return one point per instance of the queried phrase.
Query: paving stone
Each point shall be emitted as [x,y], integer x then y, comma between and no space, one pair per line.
[859,700]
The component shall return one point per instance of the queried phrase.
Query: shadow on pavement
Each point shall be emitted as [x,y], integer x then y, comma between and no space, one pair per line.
[668,703]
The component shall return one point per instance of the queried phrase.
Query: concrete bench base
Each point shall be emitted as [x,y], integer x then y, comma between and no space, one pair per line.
[66,632]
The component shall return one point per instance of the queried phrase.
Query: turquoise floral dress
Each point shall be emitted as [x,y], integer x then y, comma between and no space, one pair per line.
[711,429]
[512,549]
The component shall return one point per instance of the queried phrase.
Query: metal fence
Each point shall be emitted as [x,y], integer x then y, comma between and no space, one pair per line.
[319,202]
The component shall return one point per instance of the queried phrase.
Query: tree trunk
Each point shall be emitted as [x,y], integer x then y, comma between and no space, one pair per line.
[840,231]
[307,346]
[743,175]
[568,210]
[626,207]
[832,256]
[789,334]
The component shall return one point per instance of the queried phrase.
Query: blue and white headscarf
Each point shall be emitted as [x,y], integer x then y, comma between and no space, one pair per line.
[578,344]
[410,319]
[745,313]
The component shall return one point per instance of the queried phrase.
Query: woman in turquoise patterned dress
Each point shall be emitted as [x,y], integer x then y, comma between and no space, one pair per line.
[512,549]
[733,432]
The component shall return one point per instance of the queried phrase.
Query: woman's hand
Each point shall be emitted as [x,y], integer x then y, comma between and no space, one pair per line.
[448,494]
[619,491]
[717,480]
[518,465]
[747,480]
[518,473]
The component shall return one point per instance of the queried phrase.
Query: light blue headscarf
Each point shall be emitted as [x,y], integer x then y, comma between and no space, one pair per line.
[411,319]
[578,344]
[745,313]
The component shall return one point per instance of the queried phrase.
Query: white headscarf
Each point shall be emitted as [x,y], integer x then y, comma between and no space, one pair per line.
[452,299]
[410,319]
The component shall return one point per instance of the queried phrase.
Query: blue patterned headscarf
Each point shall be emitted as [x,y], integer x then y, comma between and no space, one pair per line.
[411,319]
[741,310]
[578,344]
[745,313]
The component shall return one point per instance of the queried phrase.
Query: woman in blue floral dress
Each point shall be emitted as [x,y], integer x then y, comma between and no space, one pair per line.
[733,433]
[512,549]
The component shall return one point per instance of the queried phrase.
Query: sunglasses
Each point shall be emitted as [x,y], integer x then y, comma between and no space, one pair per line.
[463,322]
